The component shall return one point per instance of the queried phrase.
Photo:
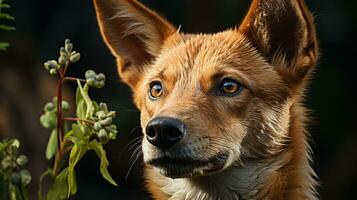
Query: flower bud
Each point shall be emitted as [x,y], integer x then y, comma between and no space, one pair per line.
[112,135]
[63,52]
[103,107]
[91,82]
[22,160]
[51,64]
[101,115]
[106,122]
[103,136]
[90,74]
[62,60]
[7,162]
[68,46]
[75,57]
[48,120]
[99,84]
[100,77]
[97,126]
[111,114]
[53,71]
[49,107]
[25,177]
[65,106]
[55,100]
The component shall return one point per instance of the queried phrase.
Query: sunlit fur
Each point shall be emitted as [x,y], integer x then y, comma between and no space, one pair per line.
[260,131]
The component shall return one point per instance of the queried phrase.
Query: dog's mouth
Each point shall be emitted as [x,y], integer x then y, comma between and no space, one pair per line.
[179,167]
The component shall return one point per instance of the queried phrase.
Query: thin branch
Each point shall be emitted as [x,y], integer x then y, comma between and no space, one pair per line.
[78,119]
[65,79]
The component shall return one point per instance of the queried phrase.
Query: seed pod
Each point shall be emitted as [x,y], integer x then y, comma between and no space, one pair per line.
[49,107]
[22,160]
[15,178]
[103,136]
[25,177]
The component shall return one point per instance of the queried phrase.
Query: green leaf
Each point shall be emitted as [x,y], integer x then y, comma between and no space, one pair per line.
[99,150]
[52,145]
[6,16]
[77,152]
[59,188]
[4,45]
[43,175]
[81,106]
[75,155]
[90,109]
[7,28]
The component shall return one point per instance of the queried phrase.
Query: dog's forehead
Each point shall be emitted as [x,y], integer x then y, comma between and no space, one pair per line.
[196,53]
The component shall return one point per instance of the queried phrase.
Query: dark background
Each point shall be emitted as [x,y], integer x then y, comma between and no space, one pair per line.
[42,26]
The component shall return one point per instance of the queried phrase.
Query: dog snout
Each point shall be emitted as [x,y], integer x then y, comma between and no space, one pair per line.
[165,132]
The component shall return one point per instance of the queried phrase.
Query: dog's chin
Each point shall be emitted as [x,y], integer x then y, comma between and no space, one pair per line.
[176,167]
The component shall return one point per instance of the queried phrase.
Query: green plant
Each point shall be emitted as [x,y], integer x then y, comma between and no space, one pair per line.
[13,178]
[5,16]
[90,129]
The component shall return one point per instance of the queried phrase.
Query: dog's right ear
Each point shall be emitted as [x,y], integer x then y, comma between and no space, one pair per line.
[133,33]
[284,33]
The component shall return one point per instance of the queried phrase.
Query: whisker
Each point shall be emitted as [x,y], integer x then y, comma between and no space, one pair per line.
[129,144]
[131,166]
[136,151]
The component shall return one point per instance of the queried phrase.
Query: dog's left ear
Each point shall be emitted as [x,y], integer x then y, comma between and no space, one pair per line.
[134,33]
[284,33]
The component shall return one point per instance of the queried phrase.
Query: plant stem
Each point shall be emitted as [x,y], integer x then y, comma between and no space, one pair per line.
[73,79]
[78,119]
[60,122]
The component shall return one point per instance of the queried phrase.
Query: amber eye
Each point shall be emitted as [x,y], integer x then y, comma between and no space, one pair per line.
[230,86]
[155,90]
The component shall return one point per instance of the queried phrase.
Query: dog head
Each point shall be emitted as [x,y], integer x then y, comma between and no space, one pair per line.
[207,101]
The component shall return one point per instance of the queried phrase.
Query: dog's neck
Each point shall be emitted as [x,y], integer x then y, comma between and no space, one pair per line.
[284,176]
[237,182]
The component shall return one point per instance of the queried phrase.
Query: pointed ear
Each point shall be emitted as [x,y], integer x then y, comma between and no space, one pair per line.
[133,33]
[284,33]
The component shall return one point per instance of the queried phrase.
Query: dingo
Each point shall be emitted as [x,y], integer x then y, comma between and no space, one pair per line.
[222,114]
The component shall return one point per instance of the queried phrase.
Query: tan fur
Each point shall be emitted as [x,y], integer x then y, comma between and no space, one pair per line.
[260,131]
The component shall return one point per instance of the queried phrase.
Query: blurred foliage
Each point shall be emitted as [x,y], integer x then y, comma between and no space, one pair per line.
[13,179]
[5,16]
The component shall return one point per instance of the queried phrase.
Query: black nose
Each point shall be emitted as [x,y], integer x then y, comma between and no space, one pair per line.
[165,132]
